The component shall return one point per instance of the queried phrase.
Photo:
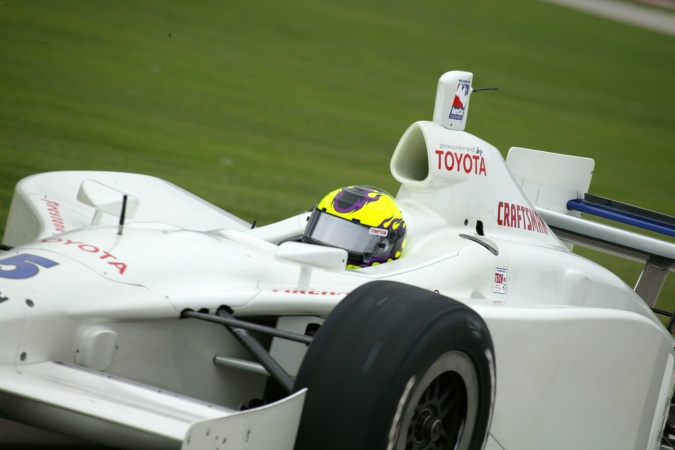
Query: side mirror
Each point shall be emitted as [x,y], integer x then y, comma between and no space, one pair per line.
[312,256]
[105,200]
[328,258]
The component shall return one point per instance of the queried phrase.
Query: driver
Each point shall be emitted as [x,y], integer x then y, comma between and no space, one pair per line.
[363,220]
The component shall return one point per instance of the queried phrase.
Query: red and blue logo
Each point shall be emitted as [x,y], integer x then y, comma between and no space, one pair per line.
[460,101]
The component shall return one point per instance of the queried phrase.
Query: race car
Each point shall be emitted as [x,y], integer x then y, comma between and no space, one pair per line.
[137,315]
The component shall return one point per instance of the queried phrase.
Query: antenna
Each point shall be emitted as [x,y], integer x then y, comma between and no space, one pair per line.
[124,212]
[485,89]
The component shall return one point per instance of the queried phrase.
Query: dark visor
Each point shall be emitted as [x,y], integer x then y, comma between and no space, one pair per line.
[334,231]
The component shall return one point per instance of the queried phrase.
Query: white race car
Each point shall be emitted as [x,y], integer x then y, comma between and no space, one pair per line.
[137,315]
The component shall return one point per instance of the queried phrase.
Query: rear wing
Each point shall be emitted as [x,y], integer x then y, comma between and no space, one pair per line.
[557,186]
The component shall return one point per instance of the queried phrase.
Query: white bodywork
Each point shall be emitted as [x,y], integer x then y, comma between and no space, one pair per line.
[92,343]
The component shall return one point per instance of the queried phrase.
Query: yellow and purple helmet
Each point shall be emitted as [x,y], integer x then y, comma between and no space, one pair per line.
[363,220]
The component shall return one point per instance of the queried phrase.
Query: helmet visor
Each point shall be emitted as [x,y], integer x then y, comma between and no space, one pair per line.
[334,231]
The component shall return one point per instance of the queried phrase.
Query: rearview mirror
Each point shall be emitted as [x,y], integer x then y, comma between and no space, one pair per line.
[329,258]
[105,200]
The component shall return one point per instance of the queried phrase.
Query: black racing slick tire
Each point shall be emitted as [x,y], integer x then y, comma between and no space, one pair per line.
[397,367]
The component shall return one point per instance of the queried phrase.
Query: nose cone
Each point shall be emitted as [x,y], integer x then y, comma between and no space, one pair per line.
[12,319]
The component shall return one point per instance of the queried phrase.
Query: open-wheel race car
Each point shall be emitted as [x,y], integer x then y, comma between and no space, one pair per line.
[462,320]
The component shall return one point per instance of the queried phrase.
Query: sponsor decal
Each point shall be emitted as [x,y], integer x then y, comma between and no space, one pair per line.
[378,231]
[518,216]
[108,258]
[459,161]
[55,215]
[22,266]
[307,292]
[499,286]
[461,99]
[463,148]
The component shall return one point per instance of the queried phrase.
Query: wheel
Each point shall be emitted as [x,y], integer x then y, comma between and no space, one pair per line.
[397,367]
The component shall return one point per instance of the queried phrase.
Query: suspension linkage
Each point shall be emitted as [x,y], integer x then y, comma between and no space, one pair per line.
[238,329]
[232,322]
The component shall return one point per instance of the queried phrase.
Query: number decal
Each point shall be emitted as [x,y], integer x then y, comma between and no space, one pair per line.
[24,266]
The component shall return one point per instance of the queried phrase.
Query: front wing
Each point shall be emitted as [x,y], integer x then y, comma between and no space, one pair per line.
[106,408]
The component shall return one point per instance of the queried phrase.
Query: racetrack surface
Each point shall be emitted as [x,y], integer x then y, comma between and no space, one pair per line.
[640,16]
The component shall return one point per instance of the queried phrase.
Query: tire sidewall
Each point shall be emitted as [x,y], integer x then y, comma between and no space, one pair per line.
[479,378]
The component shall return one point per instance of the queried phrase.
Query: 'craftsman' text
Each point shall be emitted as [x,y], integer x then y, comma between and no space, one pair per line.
[517,216]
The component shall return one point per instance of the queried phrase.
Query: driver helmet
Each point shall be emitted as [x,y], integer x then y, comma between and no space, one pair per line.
[363,220]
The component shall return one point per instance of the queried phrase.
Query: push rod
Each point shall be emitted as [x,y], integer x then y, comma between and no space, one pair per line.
[258,352]
[231,321]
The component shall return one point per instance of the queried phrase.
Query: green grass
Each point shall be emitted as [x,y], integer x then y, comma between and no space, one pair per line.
[261,107]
